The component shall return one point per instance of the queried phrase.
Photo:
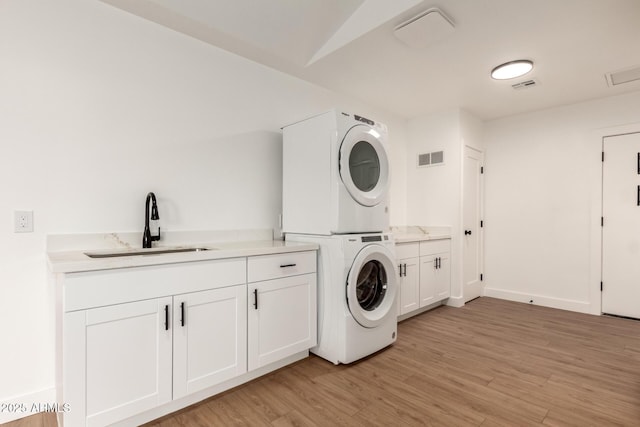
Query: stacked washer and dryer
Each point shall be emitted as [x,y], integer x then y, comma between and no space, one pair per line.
[335,194]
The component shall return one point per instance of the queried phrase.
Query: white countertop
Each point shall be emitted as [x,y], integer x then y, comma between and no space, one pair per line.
[414,233]
[76,260]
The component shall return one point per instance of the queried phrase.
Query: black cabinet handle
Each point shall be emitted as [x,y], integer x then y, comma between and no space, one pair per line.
[467,232]
[182,313]
[439,262]
[400,268]
[638,163]
[166,317]
[638,196]
[287,265]
[255,298]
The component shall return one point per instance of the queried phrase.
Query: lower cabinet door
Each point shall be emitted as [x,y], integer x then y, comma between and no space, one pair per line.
[122,362]
[435,278]
[282,318]
[409,290]
[428,280]
[209,337]
[443,282]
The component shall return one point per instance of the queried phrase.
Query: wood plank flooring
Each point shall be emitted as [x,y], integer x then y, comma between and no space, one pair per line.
[490,363]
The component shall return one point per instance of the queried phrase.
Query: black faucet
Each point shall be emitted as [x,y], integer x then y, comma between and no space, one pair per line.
[147,238]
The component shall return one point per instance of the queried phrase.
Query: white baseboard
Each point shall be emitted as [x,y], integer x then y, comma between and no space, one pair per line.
[456,302]
[562,304]
[27,404]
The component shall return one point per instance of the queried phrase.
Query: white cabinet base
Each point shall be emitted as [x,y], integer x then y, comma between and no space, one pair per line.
[284,319]
[127,367]
[177,404]
[210,338]
[425,276]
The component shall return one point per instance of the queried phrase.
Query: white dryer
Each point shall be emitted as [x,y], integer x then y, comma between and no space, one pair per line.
[335,175]
[357,289]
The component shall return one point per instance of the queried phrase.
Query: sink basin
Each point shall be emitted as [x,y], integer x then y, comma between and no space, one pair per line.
[139,252]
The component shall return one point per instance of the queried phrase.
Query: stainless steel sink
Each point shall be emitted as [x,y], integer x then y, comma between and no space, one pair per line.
[139,252]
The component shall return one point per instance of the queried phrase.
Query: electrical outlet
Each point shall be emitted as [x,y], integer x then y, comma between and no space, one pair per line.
[23,221]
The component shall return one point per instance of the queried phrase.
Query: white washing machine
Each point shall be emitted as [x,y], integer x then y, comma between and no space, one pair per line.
[335,175]
[357,289]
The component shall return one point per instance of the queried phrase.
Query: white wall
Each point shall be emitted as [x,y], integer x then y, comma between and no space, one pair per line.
[542,201]
[434,194]
[98,107]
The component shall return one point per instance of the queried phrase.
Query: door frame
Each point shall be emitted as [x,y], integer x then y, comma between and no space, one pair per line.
[596,170]
[481,214]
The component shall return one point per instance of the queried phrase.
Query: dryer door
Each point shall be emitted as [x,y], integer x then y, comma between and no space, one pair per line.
[371,286]
[364,167]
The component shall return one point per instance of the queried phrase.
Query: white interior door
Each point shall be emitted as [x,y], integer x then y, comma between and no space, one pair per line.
[621,229]
[472,215]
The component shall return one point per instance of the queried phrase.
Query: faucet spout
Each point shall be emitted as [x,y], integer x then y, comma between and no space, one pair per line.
[147,238]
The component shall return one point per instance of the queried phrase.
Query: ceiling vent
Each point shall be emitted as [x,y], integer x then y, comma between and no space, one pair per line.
[623,76]
[525,84]
[424,29]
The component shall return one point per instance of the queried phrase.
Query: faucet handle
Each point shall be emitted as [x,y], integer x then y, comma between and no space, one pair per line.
[154,238]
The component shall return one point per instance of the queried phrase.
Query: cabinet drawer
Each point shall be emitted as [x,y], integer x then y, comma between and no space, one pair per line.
[435,247]
[106,287]
[407,250]
[267,267]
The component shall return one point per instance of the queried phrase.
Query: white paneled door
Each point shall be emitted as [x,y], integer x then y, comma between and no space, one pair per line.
[471,222]
[621,225]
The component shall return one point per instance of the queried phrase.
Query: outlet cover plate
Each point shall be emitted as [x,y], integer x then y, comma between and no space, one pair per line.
[23,221]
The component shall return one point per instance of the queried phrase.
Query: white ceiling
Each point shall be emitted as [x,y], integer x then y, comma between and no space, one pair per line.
[349,46]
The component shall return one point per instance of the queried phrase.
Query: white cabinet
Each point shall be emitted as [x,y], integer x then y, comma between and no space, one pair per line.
[408,267]
[282,316]
[118,361]
[125,358]
[135,339]
[425,276]
[130,350]
[209,338]
[434,279]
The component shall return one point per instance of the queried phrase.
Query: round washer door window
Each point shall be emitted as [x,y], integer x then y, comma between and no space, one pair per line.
[364,167]
[371,286]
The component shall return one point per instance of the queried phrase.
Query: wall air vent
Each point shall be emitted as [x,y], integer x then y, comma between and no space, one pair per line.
[623,76]
[430,159]
[525,84]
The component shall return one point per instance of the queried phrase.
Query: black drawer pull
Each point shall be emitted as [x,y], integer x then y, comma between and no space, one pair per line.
[255,298]
[166,317]
[182,314]
[287,265]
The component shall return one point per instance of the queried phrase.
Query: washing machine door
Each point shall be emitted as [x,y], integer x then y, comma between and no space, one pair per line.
[364,166]
[372,286]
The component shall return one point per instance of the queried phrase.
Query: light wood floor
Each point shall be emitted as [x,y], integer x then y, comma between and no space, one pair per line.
[490,363]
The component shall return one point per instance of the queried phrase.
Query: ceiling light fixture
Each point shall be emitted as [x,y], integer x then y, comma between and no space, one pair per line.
[512,69]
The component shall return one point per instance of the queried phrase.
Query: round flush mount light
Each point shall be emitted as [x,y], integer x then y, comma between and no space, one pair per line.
[512,69]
